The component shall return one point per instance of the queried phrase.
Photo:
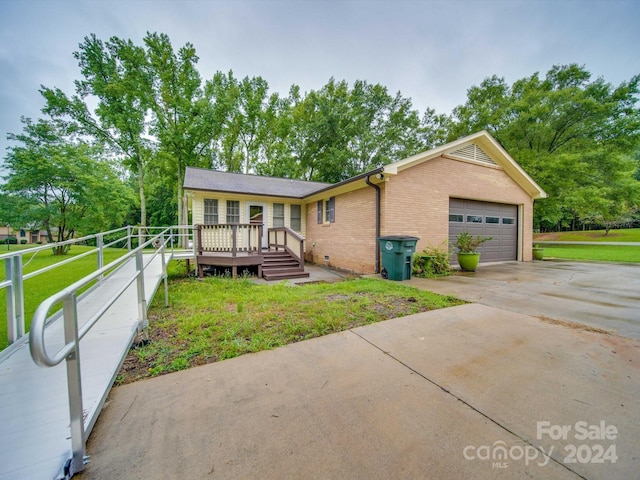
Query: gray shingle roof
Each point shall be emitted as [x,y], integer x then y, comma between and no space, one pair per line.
[204,179]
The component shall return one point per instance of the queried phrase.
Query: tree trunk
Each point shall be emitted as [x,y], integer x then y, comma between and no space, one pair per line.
[179,199]
[143,199]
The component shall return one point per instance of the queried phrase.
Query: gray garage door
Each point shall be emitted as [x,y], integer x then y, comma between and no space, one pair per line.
[496,220]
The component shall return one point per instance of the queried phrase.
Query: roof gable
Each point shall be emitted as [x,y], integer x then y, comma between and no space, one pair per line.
[480,148]
[212,180]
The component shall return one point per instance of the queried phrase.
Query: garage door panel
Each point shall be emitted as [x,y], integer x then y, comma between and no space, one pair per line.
[496,220]
[492,231]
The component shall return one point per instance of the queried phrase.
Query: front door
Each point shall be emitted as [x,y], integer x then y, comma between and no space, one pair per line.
[257,216]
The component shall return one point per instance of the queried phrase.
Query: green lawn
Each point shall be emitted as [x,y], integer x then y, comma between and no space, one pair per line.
[217,318]
[603,253]
[621,235]
[42,286]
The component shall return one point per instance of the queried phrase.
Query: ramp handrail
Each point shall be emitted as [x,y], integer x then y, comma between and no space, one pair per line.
[72,334]
[16,262]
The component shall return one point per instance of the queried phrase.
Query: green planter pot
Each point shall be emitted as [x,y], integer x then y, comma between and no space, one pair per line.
[538,253]
[469,261]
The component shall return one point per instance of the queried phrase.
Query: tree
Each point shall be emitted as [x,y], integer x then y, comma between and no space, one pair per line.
[568,131]
[249,138]
[60,185]
[184,115]
[114,74]
[340,131]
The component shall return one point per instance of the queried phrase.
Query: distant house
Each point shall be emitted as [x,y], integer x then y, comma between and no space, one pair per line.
[471,184]
[31,236]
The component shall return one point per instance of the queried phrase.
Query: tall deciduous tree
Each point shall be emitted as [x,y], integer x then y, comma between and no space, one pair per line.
[184,114]
[340,131]
[574,135]
[60,185]
[114,75]
[249,123]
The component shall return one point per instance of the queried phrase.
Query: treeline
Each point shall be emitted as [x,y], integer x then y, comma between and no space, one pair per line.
[144,113]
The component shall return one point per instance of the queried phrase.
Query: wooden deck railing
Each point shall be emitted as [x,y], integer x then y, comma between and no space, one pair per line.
[229,238]
[289,240]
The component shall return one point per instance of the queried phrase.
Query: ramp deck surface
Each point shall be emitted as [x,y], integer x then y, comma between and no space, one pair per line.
[34,413]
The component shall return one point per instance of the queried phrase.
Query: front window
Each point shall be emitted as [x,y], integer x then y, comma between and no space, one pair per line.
[210,211]
[296,218]
[233,211]
[278,214]
[330,210]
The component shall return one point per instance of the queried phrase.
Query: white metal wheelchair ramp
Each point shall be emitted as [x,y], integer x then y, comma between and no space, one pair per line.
[37,438]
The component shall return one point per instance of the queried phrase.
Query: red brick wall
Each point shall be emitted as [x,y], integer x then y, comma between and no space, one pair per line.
[416,201]
[349,242]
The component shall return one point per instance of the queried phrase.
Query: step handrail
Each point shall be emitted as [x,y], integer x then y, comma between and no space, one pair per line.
[72,334]
[288,233]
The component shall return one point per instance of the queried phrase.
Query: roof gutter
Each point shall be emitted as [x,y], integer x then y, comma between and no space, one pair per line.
[377,188]
[364,175]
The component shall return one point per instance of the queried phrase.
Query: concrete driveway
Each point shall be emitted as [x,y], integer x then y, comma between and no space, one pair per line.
[469,392]
[601,295]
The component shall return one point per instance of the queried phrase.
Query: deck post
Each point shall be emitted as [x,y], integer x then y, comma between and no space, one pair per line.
[74,384]
[128,238]
[302,254]
[234,240]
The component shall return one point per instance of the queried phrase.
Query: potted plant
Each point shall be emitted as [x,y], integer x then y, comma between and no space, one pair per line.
[538,252]
[466,246]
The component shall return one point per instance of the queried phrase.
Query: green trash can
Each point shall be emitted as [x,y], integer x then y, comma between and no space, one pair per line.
[397,256]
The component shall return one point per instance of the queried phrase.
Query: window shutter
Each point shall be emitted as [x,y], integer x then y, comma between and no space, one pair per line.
[332,209]
[319,207]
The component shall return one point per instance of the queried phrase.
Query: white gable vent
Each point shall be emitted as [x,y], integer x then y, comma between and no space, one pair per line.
[473,152]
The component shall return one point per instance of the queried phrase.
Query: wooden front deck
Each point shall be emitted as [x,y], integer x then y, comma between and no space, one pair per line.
[227,259]
[241,245]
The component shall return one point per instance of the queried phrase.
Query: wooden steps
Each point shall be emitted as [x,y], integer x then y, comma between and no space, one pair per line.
[281,265]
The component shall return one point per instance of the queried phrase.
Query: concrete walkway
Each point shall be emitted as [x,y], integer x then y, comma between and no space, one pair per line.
[470,392]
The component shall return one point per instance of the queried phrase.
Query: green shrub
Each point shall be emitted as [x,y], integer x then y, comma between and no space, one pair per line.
[23,242]
[465,243]
[432,262]
[11,240]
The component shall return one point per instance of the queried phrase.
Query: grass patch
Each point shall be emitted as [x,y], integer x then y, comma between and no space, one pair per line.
[621,235]
[42,286]
[216,319]
[602,253]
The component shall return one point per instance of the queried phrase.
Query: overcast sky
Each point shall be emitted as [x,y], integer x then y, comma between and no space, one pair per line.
[431,51]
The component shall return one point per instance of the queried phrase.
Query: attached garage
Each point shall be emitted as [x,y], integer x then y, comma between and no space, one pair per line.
[487,219]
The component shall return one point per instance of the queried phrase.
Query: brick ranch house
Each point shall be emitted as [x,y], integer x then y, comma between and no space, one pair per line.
[471,184]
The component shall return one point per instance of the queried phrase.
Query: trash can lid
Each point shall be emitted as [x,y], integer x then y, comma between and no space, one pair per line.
[398,238]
